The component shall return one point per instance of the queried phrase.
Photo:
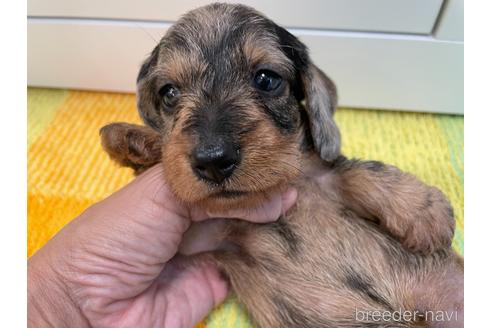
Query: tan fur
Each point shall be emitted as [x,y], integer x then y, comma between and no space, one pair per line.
[130,145]
[179,65]
[395,199]
[298,277]
[333,243]
[258,175]
[363,235]
[259,49]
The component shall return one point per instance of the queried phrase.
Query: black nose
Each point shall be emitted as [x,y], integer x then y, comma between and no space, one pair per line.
[216,162]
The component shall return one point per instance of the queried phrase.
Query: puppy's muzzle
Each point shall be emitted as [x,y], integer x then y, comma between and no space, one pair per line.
[215,162]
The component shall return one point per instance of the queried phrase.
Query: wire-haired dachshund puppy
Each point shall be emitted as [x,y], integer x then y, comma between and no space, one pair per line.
[236,110]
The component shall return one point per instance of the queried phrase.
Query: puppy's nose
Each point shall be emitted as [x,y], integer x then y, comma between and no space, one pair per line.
[215,163]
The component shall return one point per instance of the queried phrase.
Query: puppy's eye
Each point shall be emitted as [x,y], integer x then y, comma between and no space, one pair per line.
[169,95]
[266,80]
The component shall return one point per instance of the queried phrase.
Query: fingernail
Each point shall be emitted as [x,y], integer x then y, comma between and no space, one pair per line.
[289,198]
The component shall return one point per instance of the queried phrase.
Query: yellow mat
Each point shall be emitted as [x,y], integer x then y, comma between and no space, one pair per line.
[68,171]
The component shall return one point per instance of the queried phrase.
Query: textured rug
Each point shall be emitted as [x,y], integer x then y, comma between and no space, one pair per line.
[68,171]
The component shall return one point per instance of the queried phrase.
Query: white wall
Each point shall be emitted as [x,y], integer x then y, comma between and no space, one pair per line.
[390,54]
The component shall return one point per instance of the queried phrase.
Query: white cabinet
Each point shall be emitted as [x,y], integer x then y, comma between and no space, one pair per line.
[410,16]
[390,54]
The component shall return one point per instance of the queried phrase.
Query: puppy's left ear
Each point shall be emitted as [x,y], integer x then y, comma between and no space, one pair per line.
[319,93]
[321,100]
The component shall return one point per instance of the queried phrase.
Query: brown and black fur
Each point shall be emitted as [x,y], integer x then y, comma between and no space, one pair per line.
[362,236]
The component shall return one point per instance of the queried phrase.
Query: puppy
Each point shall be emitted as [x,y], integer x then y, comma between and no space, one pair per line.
[236,110]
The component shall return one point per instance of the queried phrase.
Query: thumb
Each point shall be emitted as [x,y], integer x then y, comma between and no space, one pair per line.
[192,287]
[137,229]
[150,193]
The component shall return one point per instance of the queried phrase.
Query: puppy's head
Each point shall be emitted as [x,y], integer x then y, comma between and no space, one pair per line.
[224,89]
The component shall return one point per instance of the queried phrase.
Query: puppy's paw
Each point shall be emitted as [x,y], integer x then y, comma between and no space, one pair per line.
[131,145]
[428,226]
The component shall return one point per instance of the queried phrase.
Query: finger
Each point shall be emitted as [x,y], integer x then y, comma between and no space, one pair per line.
[192,288]
[138,227]
[203,236]
[149,192]
[269,211]
[146,206]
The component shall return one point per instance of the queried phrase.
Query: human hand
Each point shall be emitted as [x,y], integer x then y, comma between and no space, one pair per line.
[116,264]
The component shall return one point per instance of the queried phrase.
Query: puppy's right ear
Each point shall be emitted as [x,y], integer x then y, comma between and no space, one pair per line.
[147,100]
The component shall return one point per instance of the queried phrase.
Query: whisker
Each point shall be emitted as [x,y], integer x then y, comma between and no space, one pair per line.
[146,32]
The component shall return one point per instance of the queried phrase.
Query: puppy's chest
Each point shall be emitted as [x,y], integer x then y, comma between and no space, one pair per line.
[318,235]
[314,223]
